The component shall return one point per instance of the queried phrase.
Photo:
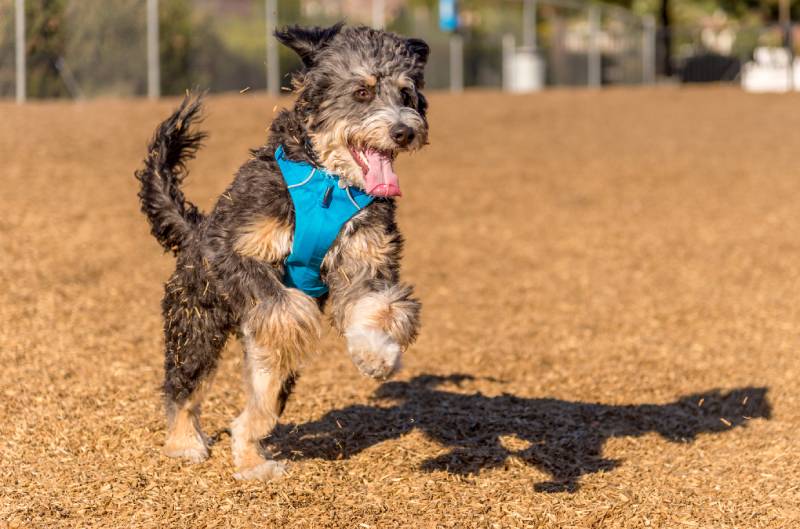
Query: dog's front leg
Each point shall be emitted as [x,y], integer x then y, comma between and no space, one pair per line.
[379,325]
[374,311]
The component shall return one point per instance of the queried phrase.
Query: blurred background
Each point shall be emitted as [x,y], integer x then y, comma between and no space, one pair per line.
[90,48]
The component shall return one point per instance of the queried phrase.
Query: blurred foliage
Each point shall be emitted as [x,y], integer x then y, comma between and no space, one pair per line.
[685,10]
[219,44]
[105,47]
[215,51]
[741,11]
[44,20]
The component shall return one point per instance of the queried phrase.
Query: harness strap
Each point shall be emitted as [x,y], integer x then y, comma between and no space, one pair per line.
[321,209]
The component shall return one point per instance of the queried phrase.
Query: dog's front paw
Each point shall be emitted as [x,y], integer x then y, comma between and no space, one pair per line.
[266,471]
[374,352]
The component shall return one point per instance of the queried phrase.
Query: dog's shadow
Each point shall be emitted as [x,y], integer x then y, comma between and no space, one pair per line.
[564,439]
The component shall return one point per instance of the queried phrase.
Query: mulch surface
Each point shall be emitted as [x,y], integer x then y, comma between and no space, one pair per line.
[610,279]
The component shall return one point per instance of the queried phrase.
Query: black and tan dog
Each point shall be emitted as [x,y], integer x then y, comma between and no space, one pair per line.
[358,105]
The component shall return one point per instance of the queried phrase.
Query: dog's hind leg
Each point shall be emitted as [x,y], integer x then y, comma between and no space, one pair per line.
[275,340]
[196,328]
[267,392]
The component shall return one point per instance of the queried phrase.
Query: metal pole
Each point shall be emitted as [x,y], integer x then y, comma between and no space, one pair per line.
[529,24]
[378,14]
[153,66]
[785,18]
[456,63]
[648,49]
[594,58]
[273,67]
[508,57]
[19,22]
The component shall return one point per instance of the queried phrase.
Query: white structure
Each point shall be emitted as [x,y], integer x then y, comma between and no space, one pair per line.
[771,71]
[523,68]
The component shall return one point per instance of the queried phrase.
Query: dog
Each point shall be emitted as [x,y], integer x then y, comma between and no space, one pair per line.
[308,220]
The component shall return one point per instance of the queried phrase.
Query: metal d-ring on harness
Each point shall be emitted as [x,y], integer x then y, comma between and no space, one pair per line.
[321,209]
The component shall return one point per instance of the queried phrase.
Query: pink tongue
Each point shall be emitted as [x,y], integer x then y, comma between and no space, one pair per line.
[381,180]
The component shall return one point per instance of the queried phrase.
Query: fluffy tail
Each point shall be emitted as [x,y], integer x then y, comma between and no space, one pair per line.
[172,218]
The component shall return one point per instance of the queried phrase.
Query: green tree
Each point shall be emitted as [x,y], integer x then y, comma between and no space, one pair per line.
[45,44]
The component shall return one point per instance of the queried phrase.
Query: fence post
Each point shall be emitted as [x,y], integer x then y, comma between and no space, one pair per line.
[648,49]
[508,56]
[273,67]
[153,66]
[456,63]
[19,23]
[529,24]
[595,74]
[378,14]
[785,21]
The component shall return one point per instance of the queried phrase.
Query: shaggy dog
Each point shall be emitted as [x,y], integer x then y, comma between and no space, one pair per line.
[358,105]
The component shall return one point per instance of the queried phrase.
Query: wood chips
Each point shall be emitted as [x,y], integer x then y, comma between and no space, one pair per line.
[611,283]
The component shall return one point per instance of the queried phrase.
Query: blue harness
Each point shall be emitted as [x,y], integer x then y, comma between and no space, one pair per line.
[321,208]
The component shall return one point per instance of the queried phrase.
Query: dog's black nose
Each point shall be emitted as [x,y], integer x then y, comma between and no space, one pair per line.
[402,134]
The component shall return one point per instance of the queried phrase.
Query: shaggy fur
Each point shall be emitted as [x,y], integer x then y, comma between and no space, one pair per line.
[360,88]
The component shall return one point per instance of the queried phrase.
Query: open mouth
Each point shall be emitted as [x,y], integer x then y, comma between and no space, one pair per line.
[379,176]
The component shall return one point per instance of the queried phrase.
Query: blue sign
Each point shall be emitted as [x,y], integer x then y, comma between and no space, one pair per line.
[448,15]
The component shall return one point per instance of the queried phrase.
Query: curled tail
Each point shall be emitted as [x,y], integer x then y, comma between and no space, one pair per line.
[172,218]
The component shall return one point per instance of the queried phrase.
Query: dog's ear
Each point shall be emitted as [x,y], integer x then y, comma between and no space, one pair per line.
[307,42]
[420,49]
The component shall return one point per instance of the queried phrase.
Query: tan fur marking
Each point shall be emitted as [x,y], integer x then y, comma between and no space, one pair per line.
[332,149]
[389,311]
[287,329]
[248,456]
[371,80]
[185,439]
[268,238]
[382,318]
[370,247]
[259,416]
[368,250]
[404,81]
[372,311]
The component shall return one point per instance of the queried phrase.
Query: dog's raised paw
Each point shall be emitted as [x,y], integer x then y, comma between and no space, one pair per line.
[374,352]
[266,471]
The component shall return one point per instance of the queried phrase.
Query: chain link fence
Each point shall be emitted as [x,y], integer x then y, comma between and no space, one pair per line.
[93,48]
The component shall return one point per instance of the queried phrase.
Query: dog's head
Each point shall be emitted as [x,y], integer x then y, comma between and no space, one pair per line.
[360,101]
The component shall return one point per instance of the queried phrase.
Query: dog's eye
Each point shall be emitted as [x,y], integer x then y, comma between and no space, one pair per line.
[408,97]
[363,95]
